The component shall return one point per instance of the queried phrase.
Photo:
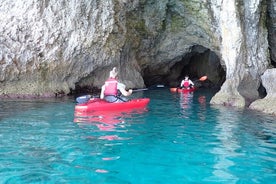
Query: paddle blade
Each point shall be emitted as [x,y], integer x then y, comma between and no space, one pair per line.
[203,78]
[83,99]
[173,89]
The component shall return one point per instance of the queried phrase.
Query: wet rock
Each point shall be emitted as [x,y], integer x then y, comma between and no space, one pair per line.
[244,53]
[268,103]
[228,95]
[271,22]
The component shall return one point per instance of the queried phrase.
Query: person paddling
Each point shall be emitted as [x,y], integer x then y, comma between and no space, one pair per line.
[186,83]
[109,90]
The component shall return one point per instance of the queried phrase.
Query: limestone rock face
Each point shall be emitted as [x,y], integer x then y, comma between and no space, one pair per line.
[267,104]
[271,22]
[49,47]
[244,50]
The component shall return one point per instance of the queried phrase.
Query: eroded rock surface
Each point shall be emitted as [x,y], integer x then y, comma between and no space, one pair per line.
[271,22]
[47,46]
[267,104]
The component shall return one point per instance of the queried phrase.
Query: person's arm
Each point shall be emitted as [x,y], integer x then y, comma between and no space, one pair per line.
[182,82]
[121,88]
[191,82]
[125,92]
[102,92]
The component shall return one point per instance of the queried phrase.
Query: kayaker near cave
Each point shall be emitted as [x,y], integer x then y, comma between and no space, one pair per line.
[186,83]
[112,87]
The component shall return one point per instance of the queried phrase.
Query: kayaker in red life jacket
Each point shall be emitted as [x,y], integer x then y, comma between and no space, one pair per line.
[110,89]
[186,83]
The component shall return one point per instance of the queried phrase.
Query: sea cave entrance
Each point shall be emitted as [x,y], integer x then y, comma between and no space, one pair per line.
[200,61]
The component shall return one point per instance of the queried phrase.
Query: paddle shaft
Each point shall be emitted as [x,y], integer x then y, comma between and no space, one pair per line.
[136,90]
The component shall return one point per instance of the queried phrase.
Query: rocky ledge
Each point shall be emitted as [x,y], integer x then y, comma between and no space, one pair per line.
[267,104]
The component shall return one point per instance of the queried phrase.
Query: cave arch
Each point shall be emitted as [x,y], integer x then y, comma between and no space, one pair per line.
[198,62]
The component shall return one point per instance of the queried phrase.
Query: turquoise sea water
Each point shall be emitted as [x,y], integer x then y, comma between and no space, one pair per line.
[180,138]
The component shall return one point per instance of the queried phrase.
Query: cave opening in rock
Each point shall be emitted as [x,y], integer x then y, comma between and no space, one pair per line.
[273,63]
[199,62]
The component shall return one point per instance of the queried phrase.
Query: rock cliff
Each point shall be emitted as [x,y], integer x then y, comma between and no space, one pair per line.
[267,104]
[48,47]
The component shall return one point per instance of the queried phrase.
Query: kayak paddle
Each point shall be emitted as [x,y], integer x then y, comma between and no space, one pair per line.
[149,88]
[203,78]
[83,99]
[136,90]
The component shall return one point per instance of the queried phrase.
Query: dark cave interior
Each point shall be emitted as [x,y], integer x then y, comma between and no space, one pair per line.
[199,62]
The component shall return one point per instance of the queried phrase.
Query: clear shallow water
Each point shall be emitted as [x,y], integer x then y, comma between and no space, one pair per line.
[178,139]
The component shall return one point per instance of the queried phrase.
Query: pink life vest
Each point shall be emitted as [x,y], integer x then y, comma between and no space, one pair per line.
[186,83]
[111,87]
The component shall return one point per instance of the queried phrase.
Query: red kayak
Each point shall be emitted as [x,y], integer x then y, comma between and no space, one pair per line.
[179,90]
[97,104]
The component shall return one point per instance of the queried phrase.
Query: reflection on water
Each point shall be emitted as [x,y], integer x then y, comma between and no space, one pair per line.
[193,103]
[227,147]
[107,120]
[240,137]
[202,107]
[186,100]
